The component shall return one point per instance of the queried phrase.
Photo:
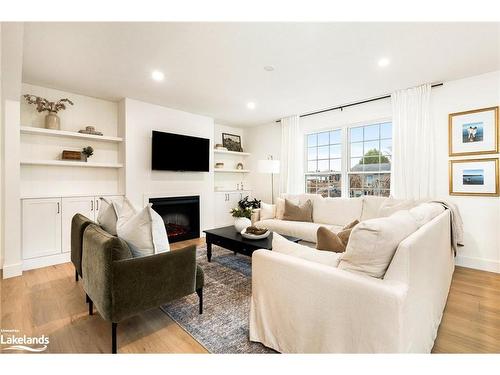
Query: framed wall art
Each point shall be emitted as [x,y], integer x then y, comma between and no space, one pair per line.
[232,142]
[473,132]
[474,177]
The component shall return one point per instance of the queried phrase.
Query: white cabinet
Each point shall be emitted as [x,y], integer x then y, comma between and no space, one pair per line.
[224,202]
[41,231]
[46,226]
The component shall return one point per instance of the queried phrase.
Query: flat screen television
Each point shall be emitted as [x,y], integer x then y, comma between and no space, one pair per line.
[175,152]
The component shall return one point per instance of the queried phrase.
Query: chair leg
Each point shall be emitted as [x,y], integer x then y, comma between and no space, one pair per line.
[87,298]
[113,337]
[200,296]
[91,307]
[76,275]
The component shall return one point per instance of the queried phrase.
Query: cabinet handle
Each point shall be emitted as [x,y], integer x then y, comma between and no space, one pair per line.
[58,208]
[91,205]
[97,205]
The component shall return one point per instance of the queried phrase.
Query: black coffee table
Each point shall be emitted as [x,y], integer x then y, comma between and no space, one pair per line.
[228,238]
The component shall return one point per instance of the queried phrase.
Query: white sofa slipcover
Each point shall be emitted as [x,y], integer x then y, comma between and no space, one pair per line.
[299,306]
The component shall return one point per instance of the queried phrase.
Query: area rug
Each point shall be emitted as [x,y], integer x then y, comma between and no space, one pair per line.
[223,326]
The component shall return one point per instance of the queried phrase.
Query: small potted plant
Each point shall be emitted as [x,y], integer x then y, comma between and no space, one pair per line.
[241,218]
[52,121]
[87,152]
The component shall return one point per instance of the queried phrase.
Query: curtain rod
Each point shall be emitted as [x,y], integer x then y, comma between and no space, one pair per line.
[341,107]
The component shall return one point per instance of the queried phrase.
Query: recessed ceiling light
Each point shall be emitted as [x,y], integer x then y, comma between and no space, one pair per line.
[269,68]
[251,105]
[157,75]
[383,62]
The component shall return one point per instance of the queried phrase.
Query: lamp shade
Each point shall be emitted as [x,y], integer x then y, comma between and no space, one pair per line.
[269,166]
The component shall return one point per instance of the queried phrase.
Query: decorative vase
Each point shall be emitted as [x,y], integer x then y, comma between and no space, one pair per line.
[52,121]
[241,223]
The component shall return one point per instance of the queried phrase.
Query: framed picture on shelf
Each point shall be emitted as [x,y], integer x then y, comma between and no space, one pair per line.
[473,132]
[231,142]
[474,177]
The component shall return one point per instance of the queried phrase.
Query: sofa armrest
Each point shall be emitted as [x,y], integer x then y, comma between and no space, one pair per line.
[300,306]
[255,215]
[143,283]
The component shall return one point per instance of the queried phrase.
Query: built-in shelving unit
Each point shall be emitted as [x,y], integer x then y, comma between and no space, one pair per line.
[231,153]
[65,133]
[231,170]
[65,163]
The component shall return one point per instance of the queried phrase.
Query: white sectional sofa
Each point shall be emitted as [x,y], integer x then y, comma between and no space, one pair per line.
[309,305]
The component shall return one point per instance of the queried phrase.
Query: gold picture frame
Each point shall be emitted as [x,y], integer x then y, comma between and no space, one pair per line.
[450,181]
[493,150]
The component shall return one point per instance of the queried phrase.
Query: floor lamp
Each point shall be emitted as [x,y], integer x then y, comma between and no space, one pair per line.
[272,167]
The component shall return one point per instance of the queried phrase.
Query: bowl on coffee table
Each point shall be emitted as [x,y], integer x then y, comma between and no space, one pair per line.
[254,233]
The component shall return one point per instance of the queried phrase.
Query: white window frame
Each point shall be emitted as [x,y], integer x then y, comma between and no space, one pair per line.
[344,153]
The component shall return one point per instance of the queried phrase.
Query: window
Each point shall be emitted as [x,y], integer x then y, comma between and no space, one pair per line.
[324,163]
[367,155]
[370,153]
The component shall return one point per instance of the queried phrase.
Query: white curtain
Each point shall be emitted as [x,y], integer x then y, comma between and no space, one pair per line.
[292,155]
[413,172]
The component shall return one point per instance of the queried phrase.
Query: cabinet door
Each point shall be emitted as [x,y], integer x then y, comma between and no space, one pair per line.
[70,207]
[223,207]
[41,230]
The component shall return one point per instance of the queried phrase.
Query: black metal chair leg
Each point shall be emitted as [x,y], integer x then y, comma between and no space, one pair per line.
[76,275]
[113,337]
[87,298]
[200,296]
[91,307]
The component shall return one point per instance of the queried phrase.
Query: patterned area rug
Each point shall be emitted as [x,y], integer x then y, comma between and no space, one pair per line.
[223,326]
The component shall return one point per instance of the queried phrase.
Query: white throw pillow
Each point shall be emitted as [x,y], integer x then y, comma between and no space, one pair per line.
[372,243]
[144,231]
[267,211]
[284,246]
[371,207]
[280,208]
[425,212]
[108,215]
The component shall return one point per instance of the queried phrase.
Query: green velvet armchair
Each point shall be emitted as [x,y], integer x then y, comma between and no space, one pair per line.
[122,286]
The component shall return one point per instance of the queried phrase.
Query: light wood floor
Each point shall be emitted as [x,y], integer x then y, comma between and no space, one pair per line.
[48,301]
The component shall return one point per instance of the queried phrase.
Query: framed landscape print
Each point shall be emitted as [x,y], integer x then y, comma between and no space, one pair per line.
[231,142]
[474,177]
[473,132]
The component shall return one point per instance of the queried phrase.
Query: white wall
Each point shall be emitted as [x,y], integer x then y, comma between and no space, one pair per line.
[481,215]
[41,181]
[141,182]
[262,141]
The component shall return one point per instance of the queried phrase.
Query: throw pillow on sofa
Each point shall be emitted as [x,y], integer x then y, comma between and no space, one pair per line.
[267,211]
[144,231]
[295,212]
[336,242]
[280,208]
[372,243]
[282,245]
[108,215]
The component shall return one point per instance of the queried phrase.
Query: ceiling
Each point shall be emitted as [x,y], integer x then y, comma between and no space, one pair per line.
[214,69]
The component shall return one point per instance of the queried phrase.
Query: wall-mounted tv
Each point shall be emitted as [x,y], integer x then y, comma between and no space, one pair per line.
[175,152]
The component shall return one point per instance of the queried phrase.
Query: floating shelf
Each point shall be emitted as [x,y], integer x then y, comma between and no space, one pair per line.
[231,170]
[64,133]
[231,153]
[65,163]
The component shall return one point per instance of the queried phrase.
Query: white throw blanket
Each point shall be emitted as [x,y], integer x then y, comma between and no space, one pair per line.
[457,225]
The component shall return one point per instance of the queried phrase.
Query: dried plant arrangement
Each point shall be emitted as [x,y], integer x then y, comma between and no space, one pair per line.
[43,104]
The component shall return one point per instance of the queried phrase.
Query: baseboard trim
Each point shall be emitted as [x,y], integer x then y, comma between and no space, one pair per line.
[478,263]
[12,270]
[46,261]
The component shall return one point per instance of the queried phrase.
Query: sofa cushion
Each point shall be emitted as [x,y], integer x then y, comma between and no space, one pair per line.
[108,216]
[371,207]
[373,243]
[425,212]
[337,211]
[300,198]
[391,205]
[280,208]
[283,246]
[298,212]
[299,229]
[267,211]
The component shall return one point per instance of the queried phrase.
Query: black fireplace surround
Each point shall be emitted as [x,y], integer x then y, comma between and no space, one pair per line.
[181,216]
